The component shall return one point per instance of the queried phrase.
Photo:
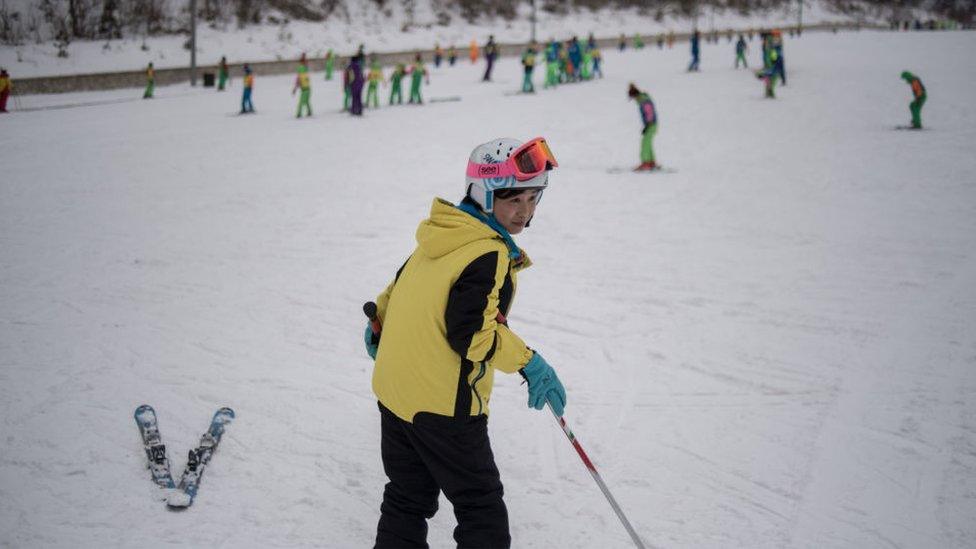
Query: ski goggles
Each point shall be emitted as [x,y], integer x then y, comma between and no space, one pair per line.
[528,161]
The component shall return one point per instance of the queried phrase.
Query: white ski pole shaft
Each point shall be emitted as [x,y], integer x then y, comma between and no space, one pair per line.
[596,476]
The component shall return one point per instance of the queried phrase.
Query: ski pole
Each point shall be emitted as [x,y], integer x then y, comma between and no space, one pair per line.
[374,322]
[596,476]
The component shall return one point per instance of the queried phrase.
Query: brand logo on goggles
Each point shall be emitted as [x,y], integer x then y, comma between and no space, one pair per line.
[488,170]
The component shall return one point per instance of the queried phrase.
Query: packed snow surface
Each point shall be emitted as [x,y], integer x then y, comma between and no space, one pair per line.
[773,346]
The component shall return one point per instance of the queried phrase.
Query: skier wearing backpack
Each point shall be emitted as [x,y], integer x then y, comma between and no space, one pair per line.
[740,52]
[444,335]
[919,97]
[649,119]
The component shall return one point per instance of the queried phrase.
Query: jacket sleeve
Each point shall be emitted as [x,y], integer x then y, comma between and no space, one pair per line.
[473,330]
[383,299]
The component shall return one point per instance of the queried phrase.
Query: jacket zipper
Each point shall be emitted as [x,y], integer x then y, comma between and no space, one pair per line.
[474,383]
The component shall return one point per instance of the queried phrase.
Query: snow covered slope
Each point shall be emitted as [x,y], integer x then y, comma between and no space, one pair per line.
[378,30]
[772,347]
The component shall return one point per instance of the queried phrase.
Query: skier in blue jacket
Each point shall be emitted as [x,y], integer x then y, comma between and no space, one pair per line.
[695,51]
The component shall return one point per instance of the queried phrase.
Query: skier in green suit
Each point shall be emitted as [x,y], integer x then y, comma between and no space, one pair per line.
[918,92]
[223,73]
[329,64]
[396,84]
[373,78]
[302,83]
[417,74]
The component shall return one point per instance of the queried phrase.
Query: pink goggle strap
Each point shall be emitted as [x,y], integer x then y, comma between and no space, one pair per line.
[486,171]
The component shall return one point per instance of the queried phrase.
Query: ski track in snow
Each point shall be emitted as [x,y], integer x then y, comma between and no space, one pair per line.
[772,347]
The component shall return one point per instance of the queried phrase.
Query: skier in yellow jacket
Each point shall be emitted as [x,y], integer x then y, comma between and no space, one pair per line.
[444,335]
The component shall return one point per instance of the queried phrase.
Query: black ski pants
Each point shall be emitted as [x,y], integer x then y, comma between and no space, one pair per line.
[434,454]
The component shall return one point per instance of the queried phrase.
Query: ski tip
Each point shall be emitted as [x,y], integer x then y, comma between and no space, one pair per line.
[142,411]
[178,500]
[225,414]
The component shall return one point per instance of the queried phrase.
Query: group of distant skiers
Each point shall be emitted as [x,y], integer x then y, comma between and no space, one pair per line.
[774,69]
[565,62]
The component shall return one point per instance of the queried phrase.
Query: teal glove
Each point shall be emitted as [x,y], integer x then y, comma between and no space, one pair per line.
[544,385]
[372,342]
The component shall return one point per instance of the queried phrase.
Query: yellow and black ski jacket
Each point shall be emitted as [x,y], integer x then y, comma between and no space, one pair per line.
[441,339]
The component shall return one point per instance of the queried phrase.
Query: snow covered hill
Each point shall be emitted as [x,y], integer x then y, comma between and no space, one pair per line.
[771,347]
[394,28]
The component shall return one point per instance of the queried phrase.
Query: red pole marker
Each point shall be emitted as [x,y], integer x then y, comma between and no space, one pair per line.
[599,480]
[500,318]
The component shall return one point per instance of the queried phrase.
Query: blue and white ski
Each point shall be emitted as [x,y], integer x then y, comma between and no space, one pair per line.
[158,464]
[182,497]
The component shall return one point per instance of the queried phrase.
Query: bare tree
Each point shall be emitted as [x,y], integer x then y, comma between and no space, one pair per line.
[108,24]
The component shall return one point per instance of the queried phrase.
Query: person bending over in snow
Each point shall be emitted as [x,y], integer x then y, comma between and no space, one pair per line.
[919,95]
[444,335]
[649,119]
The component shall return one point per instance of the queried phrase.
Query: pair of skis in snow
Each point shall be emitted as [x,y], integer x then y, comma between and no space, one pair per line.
[179,496]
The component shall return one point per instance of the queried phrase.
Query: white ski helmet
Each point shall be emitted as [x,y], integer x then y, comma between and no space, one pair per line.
[496,151]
